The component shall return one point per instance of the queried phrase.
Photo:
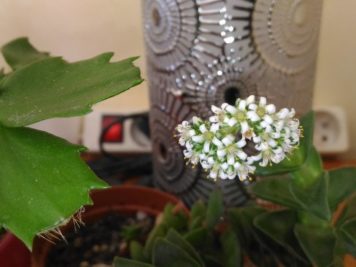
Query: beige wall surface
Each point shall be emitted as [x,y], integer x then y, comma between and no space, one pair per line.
[78,29]
[336,75]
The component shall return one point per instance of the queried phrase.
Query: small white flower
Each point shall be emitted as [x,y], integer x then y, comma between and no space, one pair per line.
[219,144]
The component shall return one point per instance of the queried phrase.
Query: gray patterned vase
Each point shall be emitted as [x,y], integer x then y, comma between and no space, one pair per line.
[204,52]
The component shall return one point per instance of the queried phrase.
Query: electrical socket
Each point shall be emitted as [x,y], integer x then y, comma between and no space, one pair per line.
[133,139]
[331,130]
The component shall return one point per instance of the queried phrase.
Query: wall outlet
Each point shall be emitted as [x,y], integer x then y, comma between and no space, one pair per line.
[331,131]
[127,137]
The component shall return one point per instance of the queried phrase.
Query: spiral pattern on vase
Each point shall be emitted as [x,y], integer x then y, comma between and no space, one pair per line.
[286,33]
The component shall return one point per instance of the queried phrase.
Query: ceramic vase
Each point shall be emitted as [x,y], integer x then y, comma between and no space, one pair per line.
[207,52]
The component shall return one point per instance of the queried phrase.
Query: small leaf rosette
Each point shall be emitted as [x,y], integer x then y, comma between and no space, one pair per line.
[236,138]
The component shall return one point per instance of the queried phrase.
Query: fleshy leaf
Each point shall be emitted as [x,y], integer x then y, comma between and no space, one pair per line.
[310,171]
[342,184]
[299,155]
[122,262]
[52,88]
[318,243]
[348,235]
[197,237]
[136,251]
[215,209]
[313,198]
[279,225]
[232,255]
[349,228]
[276,190]
[43,177]
[174,237]
[20,52]
[168,254]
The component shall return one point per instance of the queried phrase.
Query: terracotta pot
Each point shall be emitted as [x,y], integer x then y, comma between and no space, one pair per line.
[123,199]
[13,253]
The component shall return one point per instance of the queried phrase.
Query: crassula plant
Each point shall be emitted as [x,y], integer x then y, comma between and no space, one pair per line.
[189,240]
[43,180]
[315,218]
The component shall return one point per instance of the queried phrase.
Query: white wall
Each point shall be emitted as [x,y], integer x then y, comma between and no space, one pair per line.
[77,29]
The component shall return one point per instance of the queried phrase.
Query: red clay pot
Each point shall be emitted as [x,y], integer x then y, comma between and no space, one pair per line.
[122,199]
[13,253]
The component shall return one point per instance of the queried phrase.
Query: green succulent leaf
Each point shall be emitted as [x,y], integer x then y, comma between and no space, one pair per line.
[260,250]
[242,222]
[313,198]
[299,155]
[318,243]
[51,87]
[123,262]
[168,254]
[174,237]
[348,212]
[136,251]
[174,220]
[158,231]
[215,209]
[19,53]
[342,184]
[197,214]
[279,225]
[348,230]
[43,177]
[310,171]
[232,254]
[276,190]
[197,237]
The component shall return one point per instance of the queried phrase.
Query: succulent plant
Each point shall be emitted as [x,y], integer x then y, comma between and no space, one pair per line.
[179,239]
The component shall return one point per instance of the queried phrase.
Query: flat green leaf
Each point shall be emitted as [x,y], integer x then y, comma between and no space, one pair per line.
[318,243]
[348,212]
[342,184]
[311,170]
[215,209]
[54,88]
[299,155]
[197,215]
[168,254]
[174,237]
[313,198]
[174,220]
[136,251]
[253,241]
[197,237]
[242,222]
[276,190]
[43,177]
[20,52]
[347,234]
[122,262]
[279,225]
[159,230]
[232,255]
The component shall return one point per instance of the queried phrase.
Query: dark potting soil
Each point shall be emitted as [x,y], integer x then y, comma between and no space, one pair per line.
[98,243]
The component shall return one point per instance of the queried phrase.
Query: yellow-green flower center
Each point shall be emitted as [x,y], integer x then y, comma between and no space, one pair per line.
[261,111]
[231,149]
[208,136]
[240,116]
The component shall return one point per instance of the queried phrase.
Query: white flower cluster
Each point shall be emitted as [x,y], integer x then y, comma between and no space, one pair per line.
[221,145]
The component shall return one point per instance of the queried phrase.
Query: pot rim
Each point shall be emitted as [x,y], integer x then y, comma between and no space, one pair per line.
[41,247]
